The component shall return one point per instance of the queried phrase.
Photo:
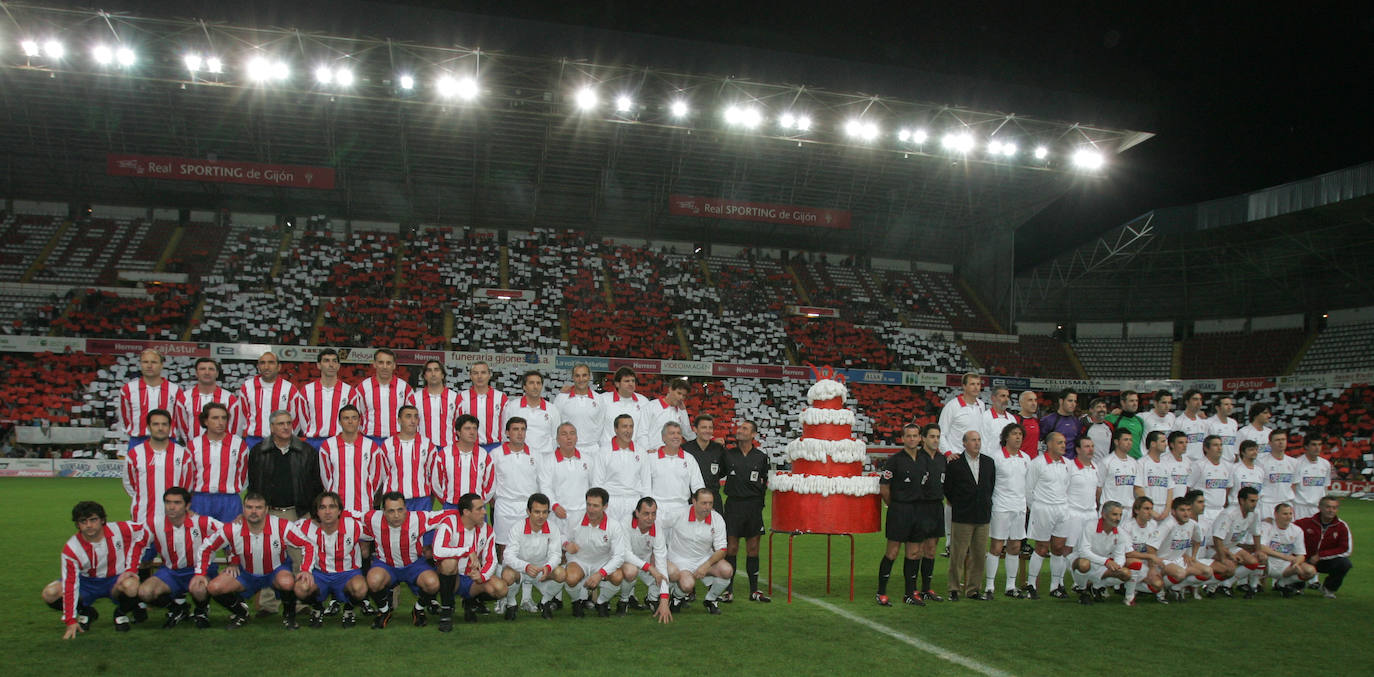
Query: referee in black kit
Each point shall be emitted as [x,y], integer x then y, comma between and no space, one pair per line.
[746,484]
[913,488]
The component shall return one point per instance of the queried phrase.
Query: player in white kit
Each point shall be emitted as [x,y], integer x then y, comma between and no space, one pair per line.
[646,561]
[1314,478]
[1156,479]
[1236,540]
[1008,527]
[1280,475]
[565,476]
[1286,547]
[533,558]
[1212,477]
[584,409]
[1225,427]
[621,470]
[696,552]
[1177,542]
[1245,472]
[1192,421]
[1100,554]
[1142,558]
[1117,470]
[596,549]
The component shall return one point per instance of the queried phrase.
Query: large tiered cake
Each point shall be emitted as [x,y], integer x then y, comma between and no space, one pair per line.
[826,492]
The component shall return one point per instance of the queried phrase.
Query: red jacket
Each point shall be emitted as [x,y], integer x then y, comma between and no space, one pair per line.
[1325,541]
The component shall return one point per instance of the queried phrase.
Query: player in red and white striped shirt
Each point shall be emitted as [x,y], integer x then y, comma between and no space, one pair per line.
[351,464]
[100,560]
[462,467]
[465,555]
[219,466]
[191,401]
[438,405]
[148,392]
[397,532]
[379,397]
[264,394]
[408,461]
[331,565]
[178,535]
[484,402]
[321,400]
[258,560]
[154,467]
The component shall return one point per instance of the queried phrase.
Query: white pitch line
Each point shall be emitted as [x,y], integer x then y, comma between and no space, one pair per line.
[957,659]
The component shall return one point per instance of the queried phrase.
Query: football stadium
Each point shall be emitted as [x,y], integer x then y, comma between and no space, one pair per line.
[554,339]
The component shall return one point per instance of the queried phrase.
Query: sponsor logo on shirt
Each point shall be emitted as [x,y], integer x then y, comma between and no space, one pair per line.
[1125,480]
[1255,485]
[1196,437]
[1285,548]
[1228,440]
[1314,481]
[1217,484]
[1157,481]
[1280,478]
[1182,543]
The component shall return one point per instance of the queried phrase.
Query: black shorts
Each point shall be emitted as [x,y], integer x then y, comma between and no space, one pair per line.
[915,522]
[744,518]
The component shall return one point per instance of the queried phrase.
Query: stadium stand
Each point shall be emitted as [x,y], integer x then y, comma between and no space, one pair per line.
[1255,353]
[162,314]
[916,350]
[837,342]
[24,236]
[50,388]
[1125,357]
[1340,348]
[1036,356]
[735,336]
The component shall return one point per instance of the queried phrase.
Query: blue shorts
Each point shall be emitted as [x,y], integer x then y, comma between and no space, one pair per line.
[135,441]
[315,442]
[488,447]
[179,580]
[421,504]
[252,440]
[408,574]
[223,507]
[91,588]
[334,584]
[252,583]
[464,586]
[381,441]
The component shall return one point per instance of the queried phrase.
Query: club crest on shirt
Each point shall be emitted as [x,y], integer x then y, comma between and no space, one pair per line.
[887,474]
[276,544]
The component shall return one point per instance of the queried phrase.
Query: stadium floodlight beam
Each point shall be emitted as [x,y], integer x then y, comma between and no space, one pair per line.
[54,49]
[103,55]
[125,57]
[961,142]
[1041,152]
[679,109]
[31,48]
[803,123]
[750,117]
[624,104]
[586,98]
[859,129]
[1088,158]
[1008,149]
[904,135]
[446,86]
[193,62]
[344,77]
[407,82]
[788,121]
[214,65]
[466,89]
[919,136]
[323,75]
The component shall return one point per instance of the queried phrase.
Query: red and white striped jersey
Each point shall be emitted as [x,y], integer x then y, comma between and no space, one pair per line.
[354,471]
[257,401]
[319,408]
[475,548]
[117,552]
[137,398]
[331,553]
[179,544]
[378,404]
[400,546]
[408,465]
[257,554]
[456,472]
[186,416]
[218,467]
[437,413]
[487,408]
[148,473]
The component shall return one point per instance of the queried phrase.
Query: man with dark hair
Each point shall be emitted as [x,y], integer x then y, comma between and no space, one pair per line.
[1178,542]
[1313,478]
[962,413]
[154,466]
[1192,422]
[621,470]
[462,467]
[646,560]
[515,475]
[408,461]
[1128,419]
[696,552]
[596,548]
[1063,420]
[1180,467]
[533,557]
[332,564]
[654,414]
[1143,532]
[465,554]
[379,397]
[143,395]
[581,407]
[623,400]
[321,400]
[1257,430]
[1096,428]
[1117,470]
[177,535]
[397,532]
[258,561]
[100,560]
[1047,488]
[436,406]
[1156,477]
[1326,539]
[351,464]
[912,486]
[1222,425]
[1245,472]
[1160,417]
[1235,539]
[1280,475]
[541,417]
[191,402]
[709,454]
[219,466]
[1007,528]
[1213,478]
[486,403]
[746,485]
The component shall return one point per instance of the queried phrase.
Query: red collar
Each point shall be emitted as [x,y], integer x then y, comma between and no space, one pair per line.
[1080,464]
[615,396]
[665,404]
[1046,456]
[474,448]
[505,447]
[634,524]
[962,403]
[590,395]
[558,454]
[543,530]
[587,522]
[679,453]
[692,515]
[1008,454]
[995,416]
[525,403]
[615,444]
[1099,526]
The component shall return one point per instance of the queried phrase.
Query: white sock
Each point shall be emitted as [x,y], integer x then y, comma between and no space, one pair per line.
[511,592]
[1013,567]
[1130,590]
[1033,571]
[549,589]
[676,590]
[715,586]
[1058,564]
[990,571]
[1080,579]
[627,590]
[605,592]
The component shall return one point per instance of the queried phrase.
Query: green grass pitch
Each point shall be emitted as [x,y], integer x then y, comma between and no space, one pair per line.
[1268,635]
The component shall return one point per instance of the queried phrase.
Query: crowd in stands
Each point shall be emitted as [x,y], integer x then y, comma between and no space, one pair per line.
[163,314]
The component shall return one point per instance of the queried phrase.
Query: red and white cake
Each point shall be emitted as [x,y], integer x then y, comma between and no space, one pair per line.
[826,492]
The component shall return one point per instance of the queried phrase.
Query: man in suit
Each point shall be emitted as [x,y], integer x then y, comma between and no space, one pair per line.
[968,487]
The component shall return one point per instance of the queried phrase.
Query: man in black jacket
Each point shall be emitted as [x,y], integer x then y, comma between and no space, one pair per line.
[969,482]
[286,471]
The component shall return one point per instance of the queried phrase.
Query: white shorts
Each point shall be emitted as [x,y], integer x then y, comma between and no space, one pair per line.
[667,510]
[573,519]
[1266,508]
[622,507]
[1008,525]
[1074,521]
[1276,567]
[688,565]
[1303,510]
[503,520]
[1047,521]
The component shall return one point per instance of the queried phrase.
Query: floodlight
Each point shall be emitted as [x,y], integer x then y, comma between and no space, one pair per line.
[214,65]
[623,104]
[787,120]
[103,55]
[259,69]
[803,123]
[446,86]
[344,77]
[904,135]
[679,109]
[193,62]
[1041,152]
[54,49]
[1088,159]
[867,131]
[30,48]
[958,142]
[732,115]
[407,82]
[466,89]
[919,136]
[586,98]
[323,75]
[1008,149]
[280,71]
[125,56]
[750,117]
[994,147]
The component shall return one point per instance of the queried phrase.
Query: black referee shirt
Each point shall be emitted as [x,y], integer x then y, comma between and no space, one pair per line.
[711,460]
[746,475]
[915,479]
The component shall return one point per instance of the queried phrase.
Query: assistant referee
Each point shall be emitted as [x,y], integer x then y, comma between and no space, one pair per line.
[912,486]
[745,467]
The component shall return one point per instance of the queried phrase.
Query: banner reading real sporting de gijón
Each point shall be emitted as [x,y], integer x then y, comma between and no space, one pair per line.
[219,171]
[738,210]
